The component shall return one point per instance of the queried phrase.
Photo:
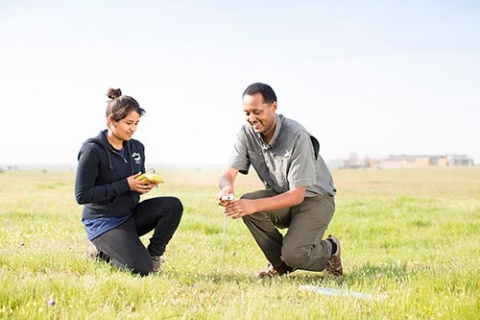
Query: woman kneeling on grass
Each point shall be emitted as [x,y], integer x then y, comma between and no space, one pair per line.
[106,185]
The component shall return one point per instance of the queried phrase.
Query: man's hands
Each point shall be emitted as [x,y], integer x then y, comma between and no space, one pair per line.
[234,209]
[225,199]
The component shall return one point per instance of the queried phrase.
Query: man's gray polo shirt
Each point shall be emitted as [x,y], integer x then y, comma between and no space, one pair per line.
[289,161]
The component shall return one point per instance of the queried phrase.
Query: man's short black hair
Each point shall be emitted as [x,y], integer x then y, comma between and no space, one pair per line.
[265,90]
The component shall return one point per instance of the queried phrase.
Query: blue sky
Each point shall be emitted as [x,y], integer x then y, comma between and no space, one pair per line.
[368,77]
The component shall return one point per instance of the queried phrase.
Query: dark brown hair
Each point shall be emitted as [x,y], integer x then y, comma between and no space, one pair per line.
[120,106]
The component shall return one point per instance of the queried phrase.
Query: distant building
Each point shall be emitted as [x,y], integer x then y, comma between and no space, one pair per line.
[459,160]
[336,164]
[422,161]
[353,162]
[403,161]
[413,161]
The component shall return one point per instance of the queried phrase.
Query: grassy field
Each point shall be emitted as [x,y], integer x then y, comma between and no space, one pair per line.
[410,243]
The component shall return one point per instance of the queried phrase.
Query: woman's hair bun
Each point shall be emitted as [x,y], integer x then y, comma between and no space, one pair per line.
[114,93]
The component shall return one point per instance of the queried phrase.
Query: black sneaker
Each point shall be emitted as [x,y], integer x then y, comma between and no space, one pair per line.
[157,263]
[91,251]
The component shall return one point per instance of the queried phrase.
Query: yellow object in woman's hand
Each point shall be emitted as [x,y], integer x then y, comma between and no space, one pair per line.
[150,177]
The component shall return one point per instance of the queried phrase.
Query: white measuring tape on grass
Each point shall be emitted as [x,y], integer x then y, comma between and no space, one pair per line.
[228,197]
[342,292]
[223,245]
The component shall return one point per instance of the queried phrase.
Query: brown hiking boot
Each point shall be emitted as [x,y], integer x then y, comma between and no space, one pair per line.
[334,264]
[270,271]
[157,263]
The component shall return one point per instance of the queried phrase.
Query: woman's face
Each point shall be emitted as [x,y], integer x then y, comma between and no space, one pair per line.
[126,127]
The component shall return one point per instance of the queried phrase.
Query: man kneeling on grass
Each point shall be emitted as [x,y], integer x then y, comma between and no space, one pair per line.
[299,193]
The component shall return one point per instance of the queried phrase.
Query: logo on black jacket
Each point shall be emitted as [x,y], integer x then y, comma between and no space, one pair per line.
[136,157]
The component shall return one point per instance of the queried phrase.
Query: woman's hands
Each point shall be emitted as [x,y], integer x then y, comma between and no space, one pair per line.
[141,187]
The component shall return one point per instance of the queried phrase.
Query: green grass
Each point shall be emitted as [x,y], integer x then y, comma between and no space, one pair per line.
[410,235]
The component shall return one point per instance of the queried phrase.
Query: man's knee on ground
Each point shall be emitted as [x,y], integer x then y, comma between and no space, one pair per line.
[296,257]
